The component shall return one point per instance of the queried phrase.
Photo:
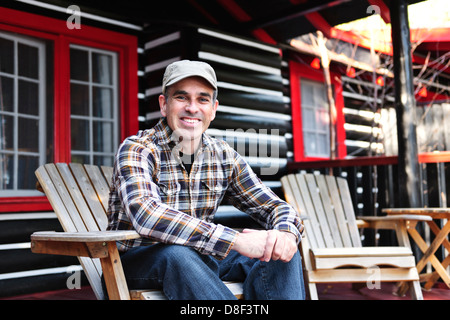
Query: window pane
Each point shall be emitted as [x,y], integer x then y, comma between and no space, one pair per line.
[308,119]
[7,94]
[103,161]
[28,97]
[323,144]
[79,65]
[310,144]
[7,133]
[7,172]
[104,136]
[78,158]
[28,135]
[28,61]
[306,94]
[6,56]
[80,134]
[26,177]
[79,99]
[322,120]
[102,102]
[315,118]
[101,68]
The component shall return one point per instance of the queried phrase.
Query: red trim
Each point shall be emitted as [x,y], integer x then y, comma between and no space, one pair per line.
[426,157]
[384,10]
[434,157]
[298,71]
[56,30]
[61,120]
[232,7]
[24,204]
[319,23]
[353,162]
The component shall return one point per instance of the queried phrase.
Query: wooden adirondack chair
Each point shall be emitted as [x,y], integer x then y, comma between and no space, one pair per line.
[79,196]
[332,249]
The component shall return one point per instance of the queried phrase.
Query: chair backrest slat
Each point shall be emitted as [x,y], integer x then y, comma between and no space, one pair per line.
[349,212]
[59,197]
[326,204]
[101,187]
[319,211]
[79,196]
[97,212]
[82,214]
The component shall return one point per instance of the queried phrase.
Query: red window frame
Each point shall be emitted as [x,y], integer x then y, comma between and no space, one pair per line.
[297,72]
[56,30]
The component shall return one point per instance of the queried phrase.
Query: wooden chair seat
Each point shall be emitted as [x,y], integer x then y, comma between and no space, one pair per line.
[79,196]
[332,248]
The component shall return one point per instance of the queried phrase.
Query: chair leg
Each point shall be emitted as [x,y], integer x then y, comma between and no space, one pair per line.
[416,290]
[313,291]
[113,274]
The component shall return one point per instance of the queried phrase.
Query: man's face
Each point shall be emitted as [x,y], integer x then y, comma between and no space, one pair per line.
[189,108]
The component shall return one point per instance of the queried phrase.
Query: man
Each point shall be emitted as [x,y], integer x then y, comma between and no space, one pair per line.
[167,184]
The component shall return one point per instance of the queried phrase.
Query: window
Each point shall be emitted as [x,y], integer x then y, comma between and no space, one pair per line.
[310,114]
[93,100]
[22,112]
[66,95]
[315,119]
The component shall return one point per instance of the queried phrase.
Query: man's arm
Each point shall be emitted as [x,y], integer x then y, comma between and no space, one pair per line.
[284,226]
[156,220]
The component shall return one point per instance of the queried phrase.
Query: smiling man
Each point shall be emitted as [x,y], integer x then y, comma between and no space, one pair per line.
[168,182]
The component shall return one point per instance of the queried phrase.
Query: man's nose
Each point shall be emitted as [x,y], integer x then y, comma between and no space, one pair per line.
[191,107]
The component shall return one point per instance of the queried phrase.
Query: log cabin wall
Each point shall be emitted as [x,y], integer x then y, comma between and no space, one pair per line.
[254,106]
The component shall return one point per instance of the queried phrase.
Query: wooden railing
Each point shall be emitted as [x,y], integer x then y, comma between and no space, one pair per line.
[373,181]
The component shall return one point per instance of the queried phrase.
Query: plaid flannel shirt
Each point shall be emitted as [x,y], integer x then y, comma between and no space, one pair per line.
[154,194]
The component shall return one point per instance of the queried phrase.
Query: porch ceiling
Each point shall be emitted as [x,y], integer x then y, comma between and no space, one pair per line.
[274,21]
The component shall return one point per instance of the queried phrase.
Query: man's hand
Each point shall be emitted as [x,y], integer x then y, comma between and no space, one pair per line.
[266,245]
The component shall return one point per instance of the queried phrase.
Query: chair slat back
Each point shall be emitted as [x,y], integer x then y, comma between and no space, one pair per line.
[79,196]
[326,205]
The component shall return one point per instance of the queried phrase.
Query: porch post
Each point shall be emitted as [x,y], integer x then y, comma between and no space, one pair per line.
[405,104]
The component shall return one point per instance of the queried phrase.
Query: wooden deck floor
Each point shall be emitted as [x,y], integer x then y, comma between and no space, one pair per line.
[326,292]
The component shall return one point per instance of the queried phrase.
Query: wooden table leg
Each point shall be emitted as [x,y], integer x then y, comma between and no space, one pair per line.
[435,276]
[429,252]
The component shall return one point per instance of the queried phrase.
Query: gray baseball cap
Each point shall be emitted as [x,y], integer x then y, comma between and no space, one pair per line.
[180,70]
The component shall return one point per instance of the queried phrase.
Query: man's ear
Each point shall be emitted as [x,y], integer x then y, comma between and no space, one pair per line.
[216,104]
[162,105]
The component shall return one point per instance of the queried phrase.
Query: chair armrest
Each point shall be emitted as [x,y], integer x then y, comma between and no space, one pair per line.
[388,222]
[93,244]
[88,236]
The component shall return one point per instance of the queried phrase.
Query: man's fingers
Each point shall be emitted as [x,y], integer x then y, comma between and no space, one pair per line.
[270,245]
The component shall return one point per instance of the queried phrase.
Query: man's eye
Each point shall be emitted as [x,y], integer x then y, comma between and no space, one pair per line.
[181,98]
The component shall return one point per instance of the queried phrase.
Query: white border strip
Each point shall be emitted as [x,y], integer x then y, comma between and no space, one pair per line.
[259,113]
[27,216]
[239,40]
[238,87]
[15,246]
[163,40]
[83,14]
[239,63]
[161,64]
[40,272]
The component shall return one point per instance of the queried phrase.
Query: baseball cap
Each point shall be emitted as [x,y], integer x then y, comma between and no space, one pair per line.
[180,70]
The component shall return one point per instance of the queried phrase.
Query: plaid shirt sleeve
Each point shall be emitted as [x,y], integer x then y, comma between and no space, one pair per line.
[250,195]
[141,200]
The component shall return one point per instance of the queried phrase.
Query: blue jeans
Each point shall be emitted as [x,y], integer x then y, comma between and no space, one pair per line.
[183,273]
